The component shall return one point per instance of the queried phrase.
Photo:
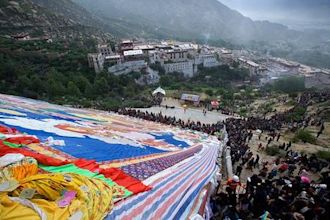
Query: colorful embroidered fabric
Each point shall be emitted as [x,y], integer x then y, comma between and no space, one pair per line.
[165,166]
[117,175]
[19,170]
[128,185]
[43,159]
[92,197]
[119,192]
[149,168]
[174,190]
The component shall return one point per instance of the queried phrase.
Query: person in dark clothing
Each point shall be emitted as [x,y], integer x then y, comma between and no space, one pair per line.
[278,137]
[269,141]
[260,201]
[288,146]
[239,169]
[256,162]
[250,164]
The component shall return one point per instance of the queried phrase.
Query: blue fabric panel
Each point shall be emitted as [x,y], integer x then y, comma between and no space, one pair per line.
[93,149]
[168,137]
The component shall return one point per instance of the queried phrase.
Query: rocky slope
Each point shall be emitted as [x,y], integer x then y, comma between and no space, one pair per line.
[38,17]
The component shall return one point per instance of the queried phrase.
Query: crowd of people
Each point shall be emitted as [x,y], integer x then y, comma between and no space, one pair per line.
[168,120]
[280,189]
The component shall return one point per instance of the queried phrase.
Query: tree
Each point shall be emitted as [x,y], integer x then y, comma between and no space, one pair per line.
[304,136]
[209,92]
[89,91]
[290,84]
[101,86]
[55,89]
[73,90]
[23,83]
[38,85]
[81,82]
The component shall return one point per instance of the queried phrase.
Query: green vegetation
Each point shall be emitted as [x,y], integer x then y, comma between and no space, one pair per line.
[304,136]
[272,150]
[221,74]
[297,114]
[266,107]
[158,67]
[3,3]
[243,111]
[58,72]
[290,85]
[212,81]
[275,151]
[323,155]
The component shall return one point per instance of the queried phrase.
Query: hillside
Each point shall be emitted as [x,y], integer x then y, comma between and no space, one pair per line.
[38,17]
[72,11]
[194,19]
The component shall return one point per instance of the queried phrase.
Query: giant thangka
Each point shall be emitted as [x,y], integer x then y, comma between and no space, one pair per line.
[82,162]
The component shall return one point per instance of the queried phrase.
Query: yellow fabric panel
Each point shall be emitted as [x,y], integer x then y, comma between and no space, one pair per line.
[10,210]
[53,212]
[19,170]
[94,197]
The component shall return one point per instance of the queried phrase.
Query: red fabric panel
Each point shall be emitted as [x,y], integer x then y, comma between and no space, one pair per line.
[43,159]
[115,174]
[6,130]
[122,179]
[90,165]
[23,140]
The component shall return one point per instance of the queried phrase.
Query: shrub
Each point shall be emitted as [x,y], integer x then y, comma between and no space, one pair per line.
[290,85]
[209,92]
[272,150]
[323,155]
[304,136]
[297,114]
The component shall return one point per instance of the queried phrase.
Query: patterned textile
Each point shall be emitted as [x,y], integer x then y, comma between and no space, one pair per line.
[92,197]
[164,167]
[19,170]
[118,191]
[173,192]
[149,168]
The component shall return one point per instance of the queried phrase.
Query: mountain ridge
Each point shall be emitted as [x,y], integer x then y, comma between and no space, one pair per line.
[297,14]
[207,19]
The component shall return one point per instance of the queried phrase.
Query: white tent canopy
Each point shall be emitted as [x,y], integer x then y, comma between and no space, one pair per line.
[159,90]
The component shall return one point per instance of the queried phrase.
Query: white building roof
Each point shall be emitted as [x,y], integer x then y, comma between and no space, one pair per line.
[126,41]
[144,47]
[224,51]
[190,97]
[186,46]
[251,63]
[159,90]
[133,52]
[112,57]
[102,46]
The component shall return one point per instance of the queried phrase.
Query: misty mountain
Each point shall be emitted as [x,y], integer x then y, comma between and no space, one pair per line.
[185,19]
[300,14]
